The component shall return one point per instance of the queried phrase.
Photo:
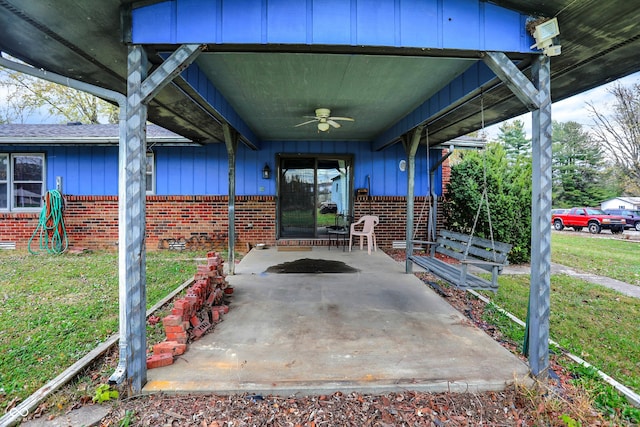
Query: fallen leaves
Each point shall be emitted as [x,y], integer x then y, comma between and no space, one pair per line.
[408,408]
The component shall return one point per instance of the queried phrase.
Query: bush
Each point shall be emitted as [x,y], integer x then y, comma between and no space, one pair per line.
[508,186]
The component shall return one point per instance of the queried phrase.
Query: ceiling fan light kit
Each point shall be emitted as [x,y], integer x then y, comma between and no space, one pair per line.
[324,120]
[323,126]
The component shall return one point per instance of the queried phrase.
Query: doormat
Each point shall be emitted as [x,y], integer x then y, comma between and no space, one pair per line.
[312,266]
[294,248]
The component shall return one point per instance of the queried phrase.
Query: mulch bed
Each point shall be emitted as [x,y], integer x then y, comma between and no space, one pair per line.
[354,409]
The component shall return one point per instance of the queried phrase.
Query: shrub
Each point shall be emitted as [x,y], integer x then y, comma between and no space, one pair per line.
[508,186]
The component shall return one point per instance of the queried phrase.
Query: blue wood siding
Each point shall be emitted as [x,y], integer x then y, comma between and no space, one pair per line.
[433,24]
[85,170]
[88,170]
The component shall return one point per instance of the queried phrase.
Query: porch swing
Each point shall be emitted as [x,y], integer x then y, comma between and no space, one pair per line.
[466,249]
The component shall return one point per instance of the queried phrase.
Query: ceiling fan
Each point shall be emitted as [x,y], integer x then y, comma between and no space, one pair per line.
[324,120]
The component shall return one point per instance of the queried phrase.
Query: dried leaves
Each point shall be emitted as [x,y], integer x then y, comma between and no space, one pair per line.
[354,409]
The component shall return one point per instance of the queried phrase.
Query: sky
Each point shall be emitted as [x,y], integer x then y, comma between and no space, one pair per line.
[575,108]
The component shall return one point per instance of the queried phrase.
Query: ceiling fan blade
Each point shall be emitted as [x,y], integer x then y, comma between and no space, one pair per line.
[334,124]
[306,123]
[349,119]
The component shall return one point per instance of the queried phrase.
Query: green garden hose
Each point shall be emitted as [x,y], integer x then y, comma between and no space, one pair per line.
[51,231]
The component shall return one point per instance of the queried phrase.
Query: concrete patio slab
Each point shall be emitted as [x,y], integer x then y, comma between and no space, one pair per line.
[372,331]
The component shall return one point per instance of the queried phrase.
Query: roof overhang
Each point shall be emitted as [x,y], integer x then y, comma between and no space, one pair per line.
[391,66]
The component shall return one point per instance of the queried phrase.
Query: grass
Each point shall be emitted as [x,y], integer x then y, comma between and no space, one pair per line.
[596,323]
[55,309]
[613,258]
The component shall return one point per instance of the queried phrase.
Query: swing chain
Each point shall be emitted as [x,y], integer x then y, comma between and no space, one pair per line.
[485,196]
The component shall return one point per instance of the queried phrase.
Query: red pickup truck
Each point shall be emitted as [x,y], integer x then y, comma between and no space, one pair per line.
[595,219]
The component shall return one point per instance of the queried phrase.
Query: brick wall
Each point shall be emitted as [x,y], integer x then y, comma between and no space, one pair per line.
[392,212]
[92,221]
[18,227]
[446,173]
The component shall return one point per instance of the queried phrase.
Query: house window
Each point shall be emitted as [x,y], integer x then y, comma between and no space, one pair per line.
[150,183]
[27,181]
[21,181]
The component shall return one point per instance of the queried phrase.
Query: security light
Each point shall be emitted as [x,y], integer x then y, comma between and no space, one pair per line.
[544,34]
[553,50]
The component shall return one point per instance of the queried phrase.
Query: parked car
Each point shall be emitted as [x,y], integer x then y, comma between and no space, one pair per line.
[595,220]
[632,217]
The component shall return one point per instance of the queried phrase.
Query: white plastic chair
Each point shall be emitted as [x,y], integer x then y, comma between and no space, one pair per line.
[368,223]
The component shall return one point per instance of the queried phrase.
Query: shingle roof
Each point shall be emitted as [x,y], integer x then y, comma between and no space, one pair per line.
[78,133]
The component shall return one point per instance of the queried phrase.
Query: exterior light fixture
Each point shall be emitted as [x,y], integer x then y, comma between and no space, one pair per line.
[266,171]
[544,34]
[323,126]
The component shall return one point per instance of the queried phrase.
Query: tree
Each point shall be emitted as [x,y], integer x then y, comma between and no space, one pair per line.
[619,133]
[25,95]
[514,139]
[508,187]
[579,177]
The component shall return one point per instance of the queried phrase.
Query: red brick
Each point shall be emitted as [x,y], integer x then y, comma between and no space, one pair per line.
[201,329]
[175,336]
[174,329]
[194,321]
[172,320]
[171,347]
[158,360]
[222,309]
[199,276]
[182,304]
[194,301]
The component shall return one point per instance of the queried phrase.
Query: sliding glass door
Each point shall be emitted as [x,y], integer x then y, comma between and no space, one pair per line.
[314,194]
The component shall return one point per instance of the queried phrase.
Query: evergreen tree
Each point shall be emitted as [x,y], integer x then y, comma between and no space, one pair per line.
[579,177]
[514,139]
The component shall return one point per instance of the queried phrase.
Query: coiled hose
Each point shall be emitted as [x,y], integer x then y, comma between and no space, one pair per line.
[50,230]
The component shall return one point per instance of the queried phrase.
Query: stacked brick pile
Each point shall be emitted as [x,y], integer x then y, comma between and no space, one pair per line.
[194,314]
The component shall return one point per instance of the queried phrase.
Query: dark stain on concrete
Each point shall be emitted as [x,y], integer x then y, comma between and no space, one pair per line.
[311,266]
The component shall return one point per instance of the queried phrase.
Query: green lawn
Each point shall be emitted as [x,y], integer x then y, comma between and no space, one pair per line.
[618,259]
[55,309]
[595,323]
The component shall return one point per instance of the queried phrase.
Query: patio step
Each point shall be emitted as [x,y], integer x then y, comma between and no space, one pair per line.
[302,242]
